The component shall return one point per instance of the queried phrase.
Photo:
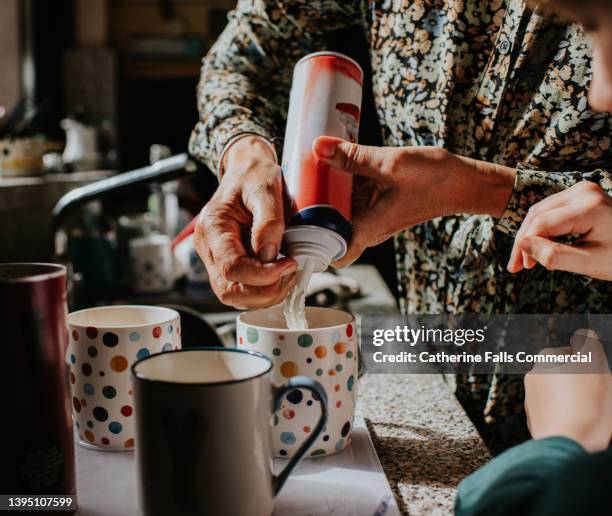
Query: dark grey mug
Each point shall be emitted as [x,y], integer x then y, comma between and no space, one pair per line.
[203,431]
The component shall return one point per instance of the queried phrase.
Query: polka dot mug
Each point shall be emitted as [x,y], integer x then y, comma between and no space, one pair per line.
[327,353]
[104,343]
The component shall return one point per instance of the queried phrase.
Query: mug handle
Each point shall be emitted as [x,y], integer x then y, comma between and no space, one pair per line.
[300,382]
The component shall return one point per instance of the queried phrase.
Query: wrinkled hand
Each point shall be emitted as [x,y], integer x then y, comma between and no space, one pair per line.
[246,275]
[584,210]
[570,404]
[398,187]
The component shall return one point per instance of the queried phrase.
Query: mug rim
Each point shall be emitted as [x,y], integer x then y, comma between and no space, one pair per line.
[172,316]
[304,330]
[53,271]
[202,384]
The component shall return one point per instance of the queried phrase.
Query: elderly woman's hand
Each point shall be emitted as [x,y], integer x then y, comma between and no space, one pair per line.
[246,274]
[398,187]
[584,211]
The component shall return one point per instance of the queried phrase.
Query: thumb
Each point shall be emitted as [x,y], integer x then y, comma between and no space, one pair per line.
[587,341]
[266,206]
[350,157]
[553,255]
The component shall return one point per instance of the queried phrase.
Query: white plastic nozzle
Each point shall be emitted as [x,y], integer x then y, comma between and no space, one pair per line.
[313,247]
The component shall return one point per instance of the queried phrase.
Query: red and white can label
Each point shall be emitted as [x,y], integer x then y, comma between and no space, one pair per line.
[325,100]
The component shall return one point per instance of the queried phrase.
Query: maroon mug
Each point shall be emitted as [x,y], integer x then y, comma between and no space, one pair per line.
[38,448]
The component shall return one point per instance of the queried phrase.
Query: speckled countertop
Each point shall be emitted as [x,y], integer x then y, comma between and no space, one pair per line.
[425,441]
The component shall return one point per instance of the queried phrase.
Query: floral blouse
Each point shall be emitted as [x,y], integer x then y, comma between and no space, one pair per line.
[489,79]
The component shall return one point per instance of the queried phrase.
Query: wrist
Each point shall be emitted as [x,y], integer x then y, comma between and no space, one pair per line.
[586,435]
[483,188]
[246,147]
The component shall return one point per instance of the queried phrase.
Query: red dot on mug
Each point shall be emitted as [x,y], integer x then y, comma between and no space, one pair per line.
[105,440]
[126,410]
[86,368]
[349,330]
[77,404]
[72,378]
[157,331]
[306,429]
[92,332]
[337,387]
[338,404]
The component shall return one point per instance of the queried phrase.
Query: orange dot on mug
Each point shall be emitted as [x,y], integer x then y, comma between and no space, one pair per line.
[340,348]
[75,335]
[89,436]
[320,351]
[331,372]
[289,369]
[118,363]
[129,443]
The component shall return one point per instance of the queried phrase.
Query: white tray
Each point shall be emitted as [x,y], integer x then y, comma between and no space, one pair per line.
[351,483]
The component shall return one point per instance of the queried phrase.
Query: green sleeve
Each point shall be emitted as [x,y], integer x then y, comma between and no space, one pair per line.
[245,79]
[513,482]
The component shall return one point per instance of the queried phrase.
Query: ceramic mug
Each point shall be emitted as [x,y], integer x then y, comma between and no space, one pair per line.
[327,352]
[38,451]
[104,343]
[151,264]
[203,423]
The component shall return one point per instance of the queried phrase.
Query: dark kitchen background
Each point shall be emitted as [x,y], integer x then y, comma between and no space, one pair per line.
[90,89]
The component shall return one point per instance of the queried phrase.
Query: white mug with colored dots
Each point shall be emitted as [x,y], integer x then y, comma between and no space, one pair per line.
[104,342]
[327,353]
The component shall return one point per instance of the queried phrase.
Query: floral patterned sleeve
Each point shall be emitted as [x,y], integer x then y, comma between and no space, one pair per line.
[533,185]
[246,76]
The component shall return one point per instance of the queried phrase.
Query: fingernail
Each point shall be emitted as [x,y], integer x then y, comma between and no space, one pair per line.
[326,148]
[267,253]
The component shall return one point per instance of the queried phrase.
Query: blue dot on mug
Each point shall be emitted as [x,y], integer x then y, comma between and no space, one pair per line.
[350,382]
[167,347]
[339,444]
[72,358]
[92,351]
[115,427]
[252,335]
[142,353]
[170,329]
[349,354]
[100,414]
[109,392]
[110,339]
[287,437]
[295,396]
[319,372]
[304,340]
[134,336]
[88,389]
[339,367]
